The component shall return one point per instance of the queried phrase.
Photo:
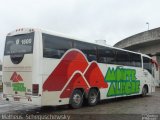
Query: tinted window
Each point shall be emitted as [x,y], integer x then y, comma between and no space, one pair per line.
[122,58]
[147,64]
[55,47]
[135,60]
[0,67]
[19,44]
[106,55]
[88,49]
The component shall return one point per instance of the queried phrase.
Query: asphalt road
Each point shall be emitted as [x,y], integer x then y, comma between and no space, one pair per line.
[136,107]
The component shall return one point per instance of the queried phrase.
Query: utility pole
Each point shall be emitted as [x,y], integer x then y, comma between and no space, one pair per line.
[147,24]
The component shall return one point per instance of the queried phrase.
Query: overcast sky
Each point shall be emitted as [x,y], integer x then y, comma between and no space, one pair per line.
[110,20]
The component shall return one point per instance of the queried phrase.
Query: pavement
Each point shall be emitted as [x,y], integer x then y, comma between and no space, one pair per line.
[135,107]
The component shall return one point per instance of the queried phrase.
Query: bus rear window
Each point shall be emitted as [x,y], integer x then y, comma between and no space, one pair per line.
[19,44]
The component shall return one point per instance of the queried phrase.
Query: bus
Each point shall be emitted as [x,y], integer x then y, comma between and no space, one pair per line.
[50,69]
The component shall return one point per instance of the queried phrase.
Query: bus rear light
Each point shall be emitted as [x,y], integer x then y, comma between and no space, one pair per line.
[22,29]
[31,30]
[18,30]
[35,89]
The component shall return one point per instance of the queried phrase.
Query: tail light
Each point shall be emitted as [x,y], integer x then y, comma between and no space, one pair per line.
[35,89]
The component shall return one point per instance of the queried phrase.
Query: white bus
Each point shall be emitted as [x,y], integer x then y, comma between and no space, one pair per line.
[49,69]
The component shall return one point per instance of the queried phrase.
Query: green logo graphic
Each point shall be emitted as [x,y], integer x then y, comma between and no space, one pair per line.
[122,81]
[19,87]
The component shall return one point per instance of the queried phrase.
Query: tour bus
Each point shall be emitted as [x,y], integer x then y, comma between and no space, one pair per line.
[50,69]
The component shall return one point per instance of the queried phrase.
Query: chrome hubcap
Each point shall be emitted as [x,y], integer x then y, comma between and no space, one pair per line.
[93,98]
[77,98]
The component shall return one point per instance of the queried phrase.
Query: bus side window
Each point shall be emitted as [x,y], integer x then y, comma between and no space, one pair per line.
[0,67]
[122,58]
[106,55]
[88,49]
[55,47]
[147,64]
[135,60]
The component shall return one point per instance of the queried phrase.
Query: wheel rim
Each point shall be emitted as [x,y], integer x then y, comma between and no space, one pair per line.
[77,99]
[93,98]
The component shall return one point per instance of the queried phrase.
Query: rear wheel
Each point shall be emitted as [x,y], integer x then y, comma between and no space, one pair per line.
[76,99]
[144,91]
[93,97]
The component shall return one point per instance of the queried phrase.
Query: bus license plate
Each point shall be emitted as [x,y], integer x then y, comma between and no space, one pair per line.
[16,99]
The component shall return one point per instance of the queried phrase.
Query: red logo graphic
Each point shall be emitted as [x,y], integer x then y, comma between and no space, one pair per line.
[76,68]
[16,77]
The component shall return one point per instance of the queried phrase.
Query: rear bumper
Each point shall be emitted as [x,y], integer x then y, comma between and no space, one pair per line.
[30,100]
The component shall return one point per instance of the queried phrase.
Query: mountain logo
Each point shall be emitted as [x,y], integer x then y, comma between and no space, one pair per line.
[74,71]
[16,77]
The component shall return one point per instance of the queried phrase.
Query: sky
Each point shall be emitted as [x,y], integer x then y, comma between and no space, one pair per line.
[110,20]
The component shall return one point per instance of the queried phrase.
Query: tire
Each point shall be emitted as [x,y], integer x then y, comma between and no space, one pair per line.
[144,91]
[76,100]
[93,97]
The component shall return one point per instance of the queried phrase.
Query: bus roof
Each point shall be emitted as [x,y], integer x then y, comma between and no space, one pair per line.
[28,30]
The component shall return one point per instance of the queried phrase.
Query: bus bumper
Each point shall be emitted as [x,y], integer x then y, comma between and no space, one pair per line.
[30,100]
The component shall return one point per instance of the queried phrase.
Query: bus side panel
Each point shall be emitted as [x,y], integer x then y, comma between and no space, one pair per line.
[129,86]
[122,80]
[149,81]
[50,97]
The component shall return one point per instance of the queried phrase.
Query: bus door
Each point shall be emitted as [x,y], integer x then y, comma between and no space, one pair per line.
[155,72]
[148,73]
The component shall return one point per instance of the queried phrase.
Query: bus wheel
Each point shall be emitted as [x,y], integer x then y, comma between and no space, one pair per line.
[144,91]
[93,97]
[76,99]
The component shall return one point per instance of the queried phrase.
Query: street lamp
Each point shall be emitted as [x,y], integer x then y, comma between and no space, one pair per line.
[147,24]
